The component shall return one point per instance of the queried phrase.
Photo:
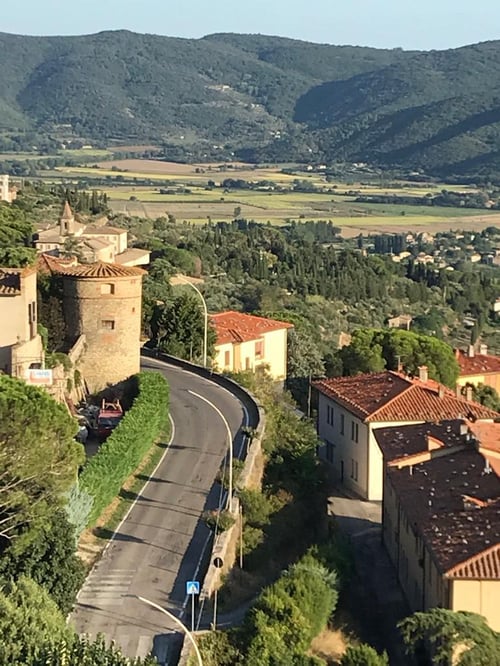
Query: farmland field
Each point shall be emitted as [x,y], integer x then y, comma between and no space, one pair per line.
[192,193]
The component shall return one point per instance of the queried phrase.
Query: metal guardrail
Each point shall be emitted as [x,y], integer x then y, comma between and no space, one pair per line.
[254,410]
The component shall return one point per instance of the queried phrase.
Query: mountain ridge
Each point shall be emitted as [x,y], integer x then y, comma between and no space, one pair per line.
[263,97]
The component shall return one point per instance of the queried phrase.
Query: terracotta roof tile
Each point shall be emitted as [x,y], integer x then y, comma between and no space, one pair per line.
[390,396]
[454,505]
[101,269]
[398,443]
[47,263]
[104,230]
[239,327]
[483,565]
[478,364]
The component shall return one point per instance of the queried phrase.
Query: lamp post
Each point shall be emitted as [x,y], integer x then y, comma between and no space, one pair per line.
[229,443]
[183,280]
[178,622]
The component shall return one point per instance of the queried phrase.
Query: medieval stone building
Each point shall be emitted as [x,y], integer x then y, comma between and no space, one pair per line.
[103,302]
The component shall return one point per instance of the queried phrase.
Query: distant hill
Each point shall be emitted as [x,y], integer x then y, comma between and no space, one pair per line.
[266,98]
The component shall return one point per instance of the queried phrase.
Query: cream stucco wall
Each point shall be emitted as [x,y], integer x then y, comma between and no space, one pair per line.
[242,356]
[423,584]
[357,464]
[17,326]
[492,379]
[477,596]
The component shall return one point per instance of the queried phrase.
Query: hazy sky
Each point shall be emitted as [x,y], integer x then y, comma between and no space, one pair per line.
[422,24]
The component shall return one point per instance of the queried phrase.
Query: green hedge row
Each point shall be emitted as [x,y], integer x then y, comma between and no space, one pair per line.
[122,452]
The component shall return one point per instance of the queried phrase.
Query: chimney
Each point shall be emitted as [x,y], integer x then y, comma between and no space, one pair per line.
[483,349]
[423,373]
[470,351]
[464,429]
[468,393]
[441,391]
[458,391]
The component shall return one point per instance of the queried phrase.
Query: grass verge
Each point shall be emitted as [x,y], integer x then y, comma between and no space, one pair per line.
[93,540]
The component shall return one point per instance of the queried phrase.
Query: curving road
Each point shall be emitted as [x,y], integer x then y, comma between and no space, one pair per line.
[160,544]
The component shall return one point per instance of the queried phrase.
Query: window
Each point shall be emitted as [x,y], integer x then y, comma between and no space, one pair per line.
[227,358]
[342,423]
[107,288]
[247,363]
[354,432]
[330,448]
[329,415]
[107,325]
[354,469]
[259,349]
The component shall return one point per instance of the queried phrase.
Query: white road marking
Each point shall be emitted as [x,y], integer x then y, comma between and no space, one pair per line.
[139,496]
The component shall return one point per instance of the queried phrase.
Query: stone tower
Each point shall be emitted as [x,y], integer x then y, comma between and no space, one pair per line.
[103,303]
[67,221]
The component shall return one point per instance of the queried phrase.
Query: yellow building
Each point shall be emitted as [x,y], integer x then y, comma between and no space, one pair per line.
[351,409]
[478,367]
[441,521]
[20,345]
[247,342]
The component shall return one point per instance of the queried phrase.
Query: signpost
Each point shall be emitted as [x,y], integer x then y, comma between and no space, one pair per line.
[192,590]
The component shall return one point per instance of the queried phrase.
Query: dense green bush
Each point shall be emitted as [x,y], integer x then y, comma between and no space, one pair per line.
[363,655]
[82,650]
[122,452]
[290,613]
[49,559]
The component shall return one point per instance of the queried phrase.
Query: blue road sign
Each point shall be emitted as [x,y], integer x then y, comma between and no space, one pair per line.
[192,587]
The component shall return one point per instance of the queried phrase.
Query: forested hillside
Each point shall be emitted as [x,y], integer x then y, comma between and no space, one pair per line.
[265,98]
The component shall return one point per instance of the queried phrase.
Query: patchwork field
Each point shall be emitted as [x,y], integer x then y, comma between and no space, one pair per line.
[193,194]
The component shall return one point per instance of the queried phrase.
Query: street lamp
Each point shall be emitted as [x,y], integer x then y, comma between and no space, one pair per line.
[178,622]
[205,313]
[230,445]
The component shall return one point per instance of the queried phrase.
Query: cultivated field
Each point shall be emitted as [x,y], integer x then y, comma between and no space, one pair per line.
[183,190]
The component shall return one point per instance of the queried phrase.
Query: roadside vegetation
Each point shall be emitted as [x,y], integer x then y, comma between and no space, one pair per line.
[43,512]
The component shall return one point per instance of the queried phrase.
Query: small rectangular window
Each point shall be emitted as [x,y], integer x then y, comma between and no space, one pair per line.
[259,349]
[107,288]
[227,357]
[354,431]
[342,424]
[107,325]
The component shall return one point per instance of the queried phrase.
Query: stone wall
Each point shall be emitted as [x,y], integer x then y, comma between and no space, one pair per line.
[108,312]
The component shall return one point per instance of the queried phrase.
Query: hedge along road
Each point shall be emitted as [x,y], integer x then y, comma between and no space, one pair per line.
[160,544]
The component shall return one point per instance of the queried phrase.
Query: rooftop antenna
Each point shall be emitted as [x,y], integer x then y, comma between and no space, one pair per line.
[487,467]
[400,367]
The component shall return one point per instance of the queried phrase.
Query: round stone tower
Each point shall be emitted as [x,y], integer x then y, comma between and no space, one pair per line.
[103,303]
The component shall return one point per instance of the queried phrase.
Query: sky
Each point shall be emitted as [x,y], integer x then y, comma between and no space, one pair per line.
[409,24]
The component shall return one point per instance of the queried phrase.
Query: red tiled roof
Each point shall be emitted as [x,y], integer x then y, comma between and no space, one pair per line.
[239,327]
[389,396]
[100,269]
[104,230]
[480,566]
[479,364]
[46,263]
[454,504]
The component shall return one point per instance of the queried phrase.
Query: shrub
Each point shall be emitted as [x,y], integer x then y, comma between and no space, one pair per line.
[119,456]
[363,655]
[219,520]
[78,508]
[49,560]
[256,507]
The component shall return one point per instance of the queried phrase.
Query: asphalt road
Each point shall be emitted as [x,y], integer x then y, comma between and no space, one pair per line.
[161,543]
